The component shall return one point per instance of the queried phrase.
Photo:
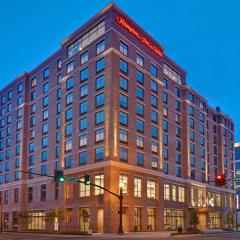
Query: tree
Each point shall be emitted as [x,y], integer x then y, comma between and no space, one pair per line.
[52,214]
[23,219]
[193,218]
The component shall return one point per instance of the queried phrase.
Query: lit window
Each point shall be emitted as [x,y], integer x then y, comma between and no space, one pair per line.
[123,183]
[83,140]
[70,67]
[167,191]
[151,189]
[84,58]
[137,187]
[139,60]
[84,190]
[99,180]
[99,135]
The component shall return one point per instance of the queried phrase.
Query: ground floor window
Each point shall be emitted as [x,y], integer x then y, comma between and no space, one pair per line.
[14,221]
[151,217]
[173,219]
[214,220]
[37,220]
[137,219]
[5,220]
[84,219]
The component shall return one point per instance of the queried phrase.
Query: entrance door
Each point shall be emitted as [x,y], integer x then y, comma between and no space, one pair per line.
[202,221]
[100,216]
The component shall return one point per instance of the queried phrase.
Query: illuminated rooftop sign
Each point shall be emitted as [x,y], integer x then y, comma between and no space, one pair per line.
[122,22]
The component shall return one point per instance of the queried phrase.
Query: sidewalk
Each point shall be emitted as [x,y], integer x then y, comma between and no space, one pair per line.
[138,235]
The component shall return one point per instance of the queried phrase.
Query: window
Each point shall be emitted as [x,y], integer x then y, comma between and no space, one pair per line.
[83,140]
[165,98]
[83,124]
[154,116]
[140,159]
[153,70]
[139,125]
[172,74]
[83,74]
[151,189]
[140,93]
[191,97]
[84,190]
[46,73]
[123,83]
[44,156]
[139,109]
[139,140]
[84,90]
[123,154]
[68,161]
[140,77]
[123,48]
[99,83]
[137,187]
[68,114]
[44,142]
[44,169]
[99,180]
[191,123]
[99,100]
[191,110]
[123,118]
[139,60]
[154,86]
[174,193]
[123,66]
[68,145]
[82,157]
[100,47]
[154,131]
[10,95]
[154,161]
[99,135]
[151,219]
[69,98]
[123,136]
[154,101]
[100,65]
[45,87]
[165,153]
[45,101]
[177,105]
[165,168]
[43,192]
[167,195]
[99,153]
[99,117]
[69,83]
[178,171]
[123,182]
[84,58]
[70,67]
[83,107]
[181,194]
[154,147]
[123,101]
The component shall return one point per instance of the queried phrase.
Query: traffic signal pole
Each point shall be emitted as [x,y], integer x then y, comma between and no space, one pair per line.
[119,196]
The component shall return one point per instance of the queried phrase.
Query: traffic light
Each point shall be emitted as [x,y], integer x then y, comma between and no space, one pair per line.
[87,179]
[220,179]
[58,176]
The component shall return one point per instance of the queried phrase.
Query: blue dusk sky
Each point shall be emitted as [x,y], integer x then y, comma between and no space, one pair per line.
[203,37]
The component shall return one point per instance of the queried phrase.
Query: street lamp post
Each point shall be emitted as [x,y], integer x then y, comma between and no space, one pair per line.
[120,229]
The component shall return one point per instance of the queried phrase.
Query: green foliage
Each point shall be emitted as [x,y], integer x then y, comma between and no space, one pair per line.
[193,218]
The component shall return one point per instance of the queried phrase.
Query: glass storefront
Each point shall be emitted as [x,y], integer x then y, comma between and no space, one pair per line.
[137,219]
[214,220]
[36,220]
[151,216]
[173,219]
[84,219]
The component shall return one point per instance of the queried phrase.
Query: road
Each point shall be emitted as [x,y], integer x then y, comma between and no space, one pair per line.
[31,236]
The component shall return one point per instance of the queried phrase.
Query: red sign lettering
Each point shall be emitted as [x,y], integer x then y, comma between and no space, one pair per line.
[122,22]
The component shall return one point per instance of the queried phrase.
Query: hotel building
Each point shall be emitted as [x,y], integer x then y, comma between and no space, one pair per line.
[110,103]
